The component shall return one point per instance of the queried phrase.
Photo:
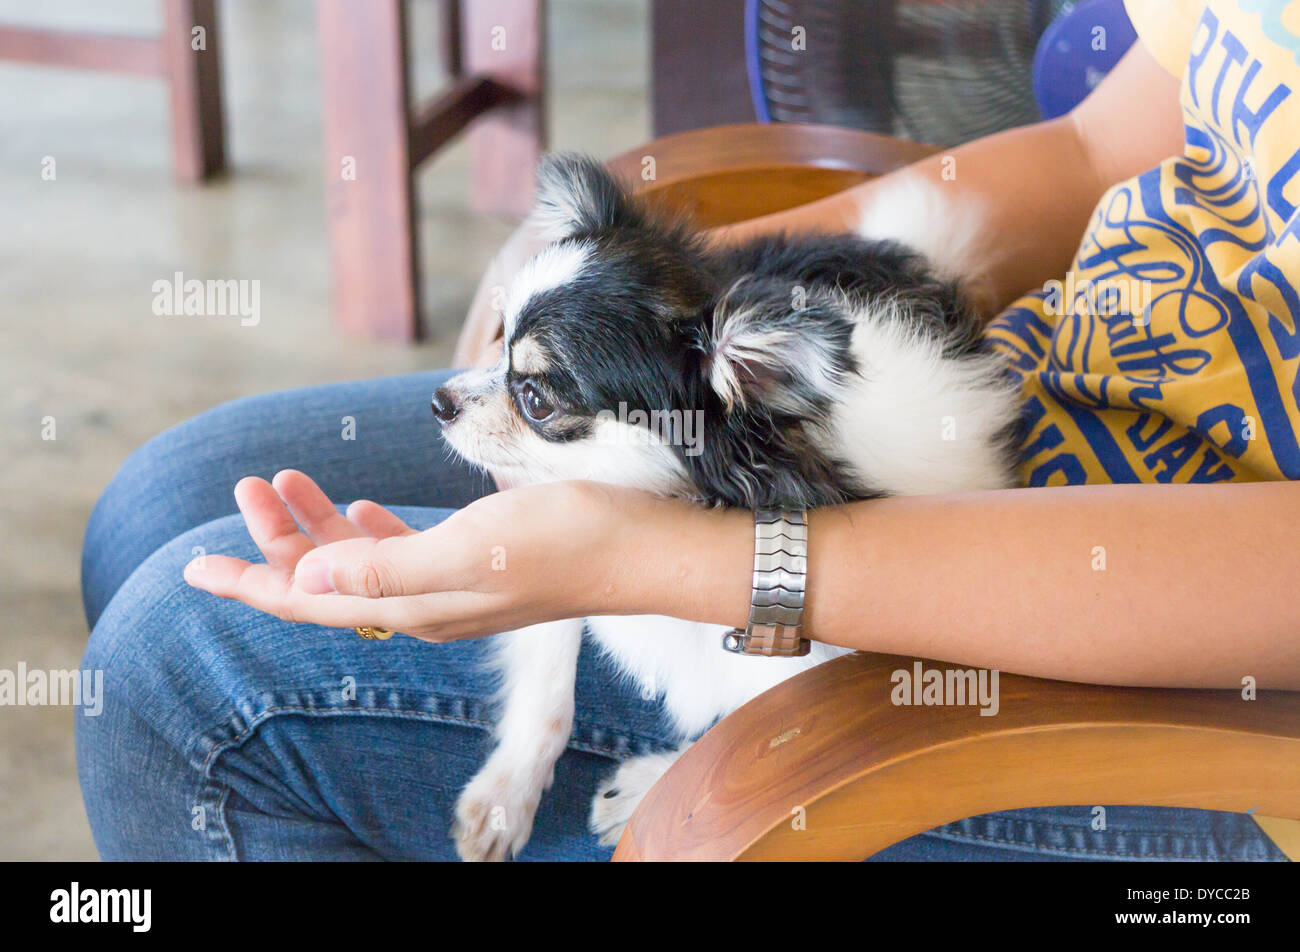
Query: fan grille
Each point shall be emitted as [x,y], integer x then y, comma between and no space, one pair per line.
[940,71]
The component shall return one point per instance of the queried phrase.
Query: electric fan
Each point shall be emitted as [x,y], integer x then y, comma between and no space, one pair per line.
[939,71]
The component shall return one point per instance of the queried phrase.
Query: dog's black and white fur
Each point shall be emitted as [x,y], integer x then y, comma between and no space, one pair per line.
[824,369]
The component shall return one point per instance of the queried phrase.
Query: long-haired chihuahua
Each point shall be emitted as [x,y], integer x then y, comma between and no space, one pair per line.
[786,372]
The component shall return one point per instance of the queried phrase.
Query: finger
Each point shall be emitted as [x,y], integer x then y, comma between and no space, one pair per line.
[319,518]
[376,521]
[436,617]
[221,574]
[270,524]
[272,591]
[384,568]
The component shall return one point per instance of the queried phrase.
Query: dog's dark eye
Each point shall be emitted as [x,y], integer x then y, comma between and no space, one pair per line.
[536,407]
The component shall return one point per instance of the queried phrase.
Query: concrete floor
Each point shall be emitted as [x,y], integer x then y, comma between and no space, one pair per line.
[78,257]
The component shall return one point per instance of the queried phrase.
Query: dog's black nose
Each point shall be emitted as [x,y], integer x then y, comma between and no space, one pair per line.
[444,406]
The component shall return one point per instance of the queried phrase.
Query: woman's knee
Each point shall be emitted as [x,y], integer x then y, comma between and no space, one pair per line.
[156,654]
[202,697]
[175,481]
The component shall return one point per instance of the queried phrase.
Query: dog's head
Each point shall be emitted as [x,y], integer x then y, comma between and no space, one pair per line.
[631,357]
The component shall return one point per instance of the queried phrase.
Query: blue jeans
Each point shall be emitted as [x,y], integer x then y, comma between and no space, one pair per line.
[227,734]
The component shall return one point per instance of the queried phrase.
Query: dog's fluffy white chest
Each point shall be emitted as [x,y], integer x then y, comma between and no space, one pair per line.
[684,663]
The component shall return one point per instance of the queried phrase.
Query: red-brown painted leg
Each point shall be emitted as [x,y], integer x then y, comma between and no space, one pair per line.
[370,206]
[191,59]
[505,40]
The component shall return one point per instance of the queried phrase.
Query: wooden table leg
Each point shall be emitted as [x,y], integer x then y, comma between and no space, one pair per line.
[505,40]
[191,61]
[370,206]
[451,27]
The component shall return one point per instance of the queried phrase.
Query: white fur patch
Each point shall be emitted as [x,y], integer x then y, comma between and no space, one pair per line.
[617,453]
[914,421]
[929,218]
[621,793]
[494,815]
[552,267]
[684,663]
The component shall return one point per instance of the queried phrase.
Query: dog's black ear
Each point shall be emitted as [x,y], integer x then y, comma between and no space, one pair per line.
[766,346]
[577,193]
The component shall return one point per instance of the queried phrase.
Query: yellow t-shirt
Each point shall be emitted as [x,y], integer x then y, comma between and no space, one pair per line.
[1170,351]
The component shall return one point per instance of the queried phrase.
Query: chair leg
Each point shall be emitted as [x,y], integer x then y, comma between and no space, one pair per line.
[451,17]
[191,60]
[370,205]
[505,40]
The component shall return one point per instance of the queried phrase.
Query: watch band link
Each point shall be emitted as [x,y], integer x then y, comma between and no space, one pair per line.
[780,573]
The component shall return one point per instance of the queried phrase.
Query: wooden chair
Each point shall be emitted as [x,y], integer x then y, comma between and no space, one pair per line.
[825,766]
[193,75]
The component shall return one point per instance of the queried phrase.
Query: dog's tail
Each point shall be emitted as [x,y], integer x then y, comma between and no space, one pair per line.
[949,230]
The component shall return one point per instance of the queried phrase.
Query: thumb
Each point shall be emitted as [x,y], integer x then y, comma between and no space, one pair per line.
[370,568]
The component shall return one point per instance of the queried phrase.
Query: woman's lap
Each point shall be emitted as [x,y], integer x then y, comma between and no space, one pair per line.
[283,741]
[228,734]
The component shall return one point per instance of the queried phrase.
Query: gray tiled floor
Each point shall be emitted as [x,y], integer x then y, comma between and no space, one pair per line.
[78,257]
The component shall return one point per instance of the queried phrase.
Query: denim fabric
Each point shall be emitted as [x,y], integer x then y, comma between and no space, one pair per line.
[227,734]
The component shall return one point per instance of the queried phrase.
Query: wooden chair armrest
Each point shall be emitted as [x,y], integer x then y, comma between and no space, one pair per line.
[726,174]
[832,748]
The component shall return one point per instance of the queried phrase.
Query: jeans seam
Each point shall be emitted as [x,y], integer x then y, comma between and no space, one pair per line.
[407,713]
[612,752]
[212,793]
[267,713]
[1040,847]
[1074,850]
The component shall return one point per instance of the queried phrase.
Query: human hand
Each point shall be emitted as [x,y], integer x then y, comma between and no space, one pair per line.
[508,560]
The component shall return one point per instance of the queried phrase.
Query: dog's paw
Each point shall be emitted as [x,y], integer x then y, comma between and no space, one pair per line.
[618,796]
[494,815]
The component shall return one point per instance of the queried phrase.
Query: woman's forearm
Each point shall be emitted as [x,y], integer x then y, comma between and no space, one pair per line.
[1175,586]
[1036,185]
[1011,177]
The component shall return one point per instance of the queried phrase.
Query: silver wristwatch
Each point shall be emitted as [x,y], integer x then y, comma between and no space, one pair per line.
[780,572]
